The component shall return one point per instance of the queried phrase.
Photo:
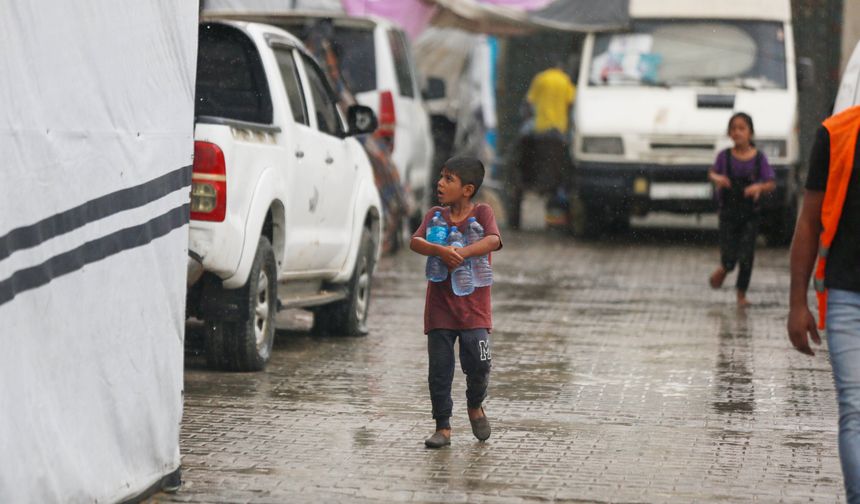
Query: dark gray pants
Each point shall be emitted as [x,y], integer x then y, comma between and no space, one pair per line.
[475,361]
[738,231]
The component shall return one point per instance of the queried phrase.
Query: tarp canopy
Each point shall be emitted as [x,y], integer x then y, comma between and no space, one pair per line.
[210,7]
[492,17]
[509,18]
[583,15]
[96,131]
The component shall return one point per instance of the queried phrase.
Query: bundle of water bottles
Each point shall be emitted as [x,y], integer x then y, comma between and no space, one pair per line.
[474,272]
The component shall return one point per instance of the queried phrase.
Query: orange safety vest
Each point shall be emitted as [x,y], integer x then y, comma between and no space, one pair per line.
[843,129]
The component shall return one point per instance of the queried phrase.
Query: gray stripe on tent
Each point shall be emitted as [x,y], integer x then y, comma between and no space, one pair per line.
[93,251]
[104,206]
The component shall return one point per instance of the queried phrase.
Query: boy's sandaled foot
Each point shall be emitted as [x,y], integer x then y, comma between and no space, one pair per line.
[718,277]
[480,426]
[438,439]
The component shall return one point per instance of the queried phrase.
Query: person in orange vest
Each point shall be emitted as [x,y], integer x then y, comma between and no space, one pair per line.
[829,228]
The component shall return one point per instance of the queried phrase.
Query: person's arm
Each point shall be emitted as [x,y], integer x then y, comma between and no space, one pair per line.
[716,174]
[484,246]
[755,191]
[767,184]
[804,249]
[720,181]
[449,255]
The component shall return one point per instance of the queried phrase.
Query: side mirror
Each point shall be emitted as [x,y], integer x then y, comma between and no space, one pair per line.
[805,73]
[361,120]
[435,89]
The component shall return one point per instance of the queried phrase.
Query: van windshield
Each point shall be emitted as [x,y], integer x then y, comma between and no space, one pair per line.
[722,53]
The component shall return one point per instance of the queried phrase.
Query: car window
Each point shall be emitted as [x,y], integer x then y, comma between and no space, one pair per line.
[356,57]
[400,51]
[328,120]
[293,85]
[231,82]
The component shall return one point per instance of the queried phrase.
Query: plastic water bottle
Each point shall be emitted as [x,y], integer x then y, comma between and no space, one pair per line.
[461,277]
[437,232]
[482,271]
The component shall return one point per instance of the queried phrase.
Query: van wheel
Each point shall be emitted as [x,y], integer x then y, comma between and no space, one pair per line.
[349,316]
[586,221]
[246,344]
[778,226]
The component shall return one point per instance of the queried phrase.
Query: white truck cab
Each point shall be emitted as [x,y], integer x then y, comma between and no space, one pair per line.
[654,102]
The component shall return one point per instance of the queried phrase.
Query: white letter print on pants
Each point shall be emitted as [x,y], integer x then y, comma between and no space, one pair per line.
[485,350]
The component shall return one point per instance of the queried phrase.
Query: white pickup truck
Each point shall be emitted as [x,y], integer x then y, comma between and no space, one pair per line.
[285,212]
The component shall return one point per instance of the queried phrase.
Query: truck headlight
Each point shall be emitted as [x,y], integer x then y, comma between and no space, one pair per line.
[772,148]
[603,145]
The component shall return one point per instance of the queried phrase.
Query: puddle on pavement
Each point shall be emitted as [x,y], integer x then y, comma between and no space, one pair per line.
[735,390]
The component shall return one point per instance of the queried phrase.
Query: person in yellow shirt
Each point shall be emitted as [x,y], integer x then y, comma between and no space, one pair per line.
[540,160]
[551,96]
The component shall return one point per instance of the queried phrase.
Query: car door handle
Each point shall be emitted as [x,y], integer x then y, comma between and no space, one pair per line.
[329,160]
[300,154]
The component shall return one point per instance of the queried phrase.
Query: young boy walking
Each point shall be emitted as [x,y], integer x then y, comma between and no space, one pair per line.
[448,317]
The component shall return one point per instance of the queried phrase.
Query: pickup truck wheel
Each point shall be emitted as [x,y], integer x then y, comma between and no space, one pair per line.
[246,344]
[349,317]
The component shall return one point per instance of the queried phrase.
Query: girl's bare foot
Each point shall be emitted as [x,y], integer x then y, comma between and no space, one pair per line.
[743,302]
[718,277]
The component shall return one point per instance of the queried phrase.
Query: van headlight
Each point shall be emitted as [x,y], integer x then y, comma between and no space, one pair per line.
[772,148]
[603,145]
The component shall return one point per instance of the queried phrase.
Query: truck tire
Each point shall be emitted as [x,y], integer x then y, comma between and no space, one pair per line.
[349,316]
[778,225]
[586,221]
[246,344]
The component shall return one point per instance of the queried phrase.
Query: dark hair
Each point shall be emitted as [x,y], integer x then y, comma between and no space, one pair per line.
[747,119]
[469,169]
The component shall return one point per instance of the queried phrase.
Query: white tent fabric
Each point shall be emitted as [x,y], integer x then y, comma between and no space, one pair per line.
[96,131]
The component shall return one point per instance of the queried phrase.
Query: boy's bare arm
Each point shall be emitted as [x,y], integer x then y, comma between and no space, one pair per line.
[804,249]
[424,247]
[484,246]
[449,255]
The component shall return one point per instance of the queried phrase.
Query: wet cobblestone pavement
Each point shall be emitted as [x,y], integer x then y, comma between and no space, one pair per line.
[618,377]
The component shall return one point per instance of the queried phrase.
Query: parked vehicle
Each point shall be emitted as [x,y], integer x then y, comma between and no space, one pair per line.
[653,106]
[284,207]
[377,64]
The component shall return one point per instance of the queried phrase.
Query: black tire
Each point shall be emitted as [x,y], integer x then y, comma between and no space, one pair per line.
[349,316]
[246,344]
[586,221]
[778,225]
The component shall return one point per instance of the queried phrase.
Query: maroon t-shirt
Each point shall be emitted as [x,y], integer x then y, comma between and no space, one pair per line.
[445,310]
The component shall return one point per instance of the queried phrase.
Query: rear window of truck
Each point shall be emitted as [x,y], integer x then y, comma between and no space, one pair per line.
[357,57]
[231,82]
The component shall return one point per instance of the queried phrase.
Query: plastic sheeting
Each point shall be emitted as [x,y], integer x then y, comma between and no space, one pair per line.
[214,7]
[96,131]
[584,15]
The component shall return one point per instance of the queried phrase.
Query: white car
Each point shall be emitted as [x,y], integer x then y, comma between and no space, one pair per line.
[285,211]
[376,62]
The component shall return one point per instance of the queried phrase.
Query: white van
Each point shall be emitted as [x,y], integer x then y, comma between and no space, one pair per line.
[654,102]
